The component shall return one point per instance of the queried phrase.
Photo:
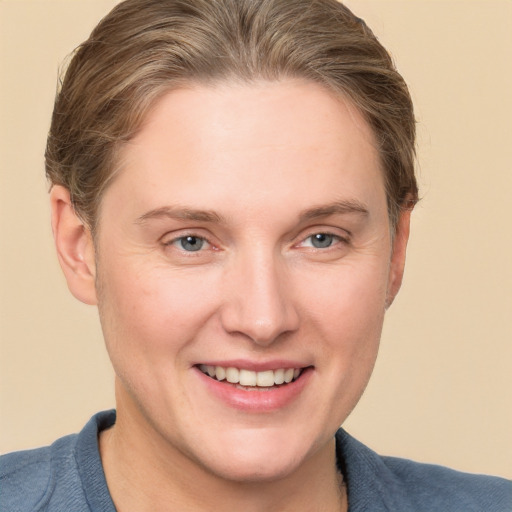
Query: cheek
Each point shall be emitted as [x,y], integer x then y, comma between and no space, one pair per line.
[349,299]
[348,319]
[148,314]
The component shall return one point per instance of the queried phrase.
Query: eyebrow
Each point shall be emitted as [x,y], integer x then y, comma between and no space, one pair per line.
[338,207]
[174,212]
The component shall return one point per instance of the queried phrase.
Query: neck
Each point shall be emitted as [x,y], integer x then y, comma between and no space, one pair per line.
[145,473]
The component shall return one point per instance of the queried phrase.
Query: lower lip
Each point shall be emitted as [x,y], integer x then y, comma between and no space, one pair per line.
[254,400]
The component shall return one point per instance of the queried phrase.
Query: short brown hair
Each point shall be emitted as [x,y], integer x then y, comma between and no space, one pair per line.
[144,48]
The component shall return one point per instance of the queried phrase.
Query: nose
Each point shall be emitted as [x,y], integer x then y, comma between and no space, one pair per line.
[259,301]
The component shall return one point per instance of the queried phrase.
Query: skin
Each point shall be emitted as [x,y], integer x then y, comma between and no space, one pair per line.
[256,157]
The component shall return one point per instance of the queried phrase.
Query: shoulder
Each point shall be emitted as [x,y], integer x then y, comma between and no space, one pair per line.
[66,476]
[24,478]
[445,487]
[27,477]
[388,483]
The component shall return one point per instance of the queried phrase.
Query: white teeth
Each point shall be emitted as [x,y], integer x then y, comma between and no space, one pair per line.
[288,375]
[232,375]
[265,378]
[279,376]
[220,373]
[250,378]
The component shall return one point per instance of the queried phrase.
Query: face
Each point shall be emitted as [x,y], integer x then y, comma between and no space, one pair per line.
[244,261]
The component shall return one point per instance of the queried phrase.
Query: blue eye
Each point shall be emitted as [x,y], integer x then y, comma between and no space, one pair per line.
[190,243]
[322,240]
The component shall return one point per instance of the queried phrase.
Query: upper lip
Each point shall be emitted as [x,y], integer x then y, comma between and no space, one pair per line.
[255,366]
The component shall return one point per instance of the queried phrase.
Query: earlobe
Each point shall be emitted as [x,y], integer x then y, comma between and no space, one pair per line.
[396,271]
[75,248]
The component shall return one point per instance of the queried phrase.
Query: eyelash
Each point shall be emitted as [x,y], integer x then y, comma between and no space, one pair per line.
[182,238]
[334,239]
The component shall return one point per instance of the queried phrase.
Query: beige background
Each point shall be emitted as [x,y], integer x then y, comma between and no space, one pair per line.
[441,390]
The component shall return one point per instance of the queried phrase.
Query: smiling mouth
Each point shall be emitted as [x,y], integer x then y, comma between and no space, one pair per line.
[251,380]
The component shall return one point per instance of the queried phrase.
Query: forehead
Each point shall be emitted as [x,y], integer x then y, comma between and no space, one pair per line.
[244,141]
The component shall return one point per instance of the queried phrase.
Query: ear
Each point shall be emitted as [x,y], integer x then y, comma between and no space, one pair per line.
[74,244]
[396,271]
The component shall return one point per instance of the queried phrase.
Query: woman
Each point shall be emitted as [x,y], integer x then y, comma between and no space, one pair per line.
[232,183]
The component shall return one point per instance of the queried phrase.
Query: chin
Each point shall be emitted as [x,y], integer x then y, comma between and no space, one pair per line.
[255,469]
[255,455]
